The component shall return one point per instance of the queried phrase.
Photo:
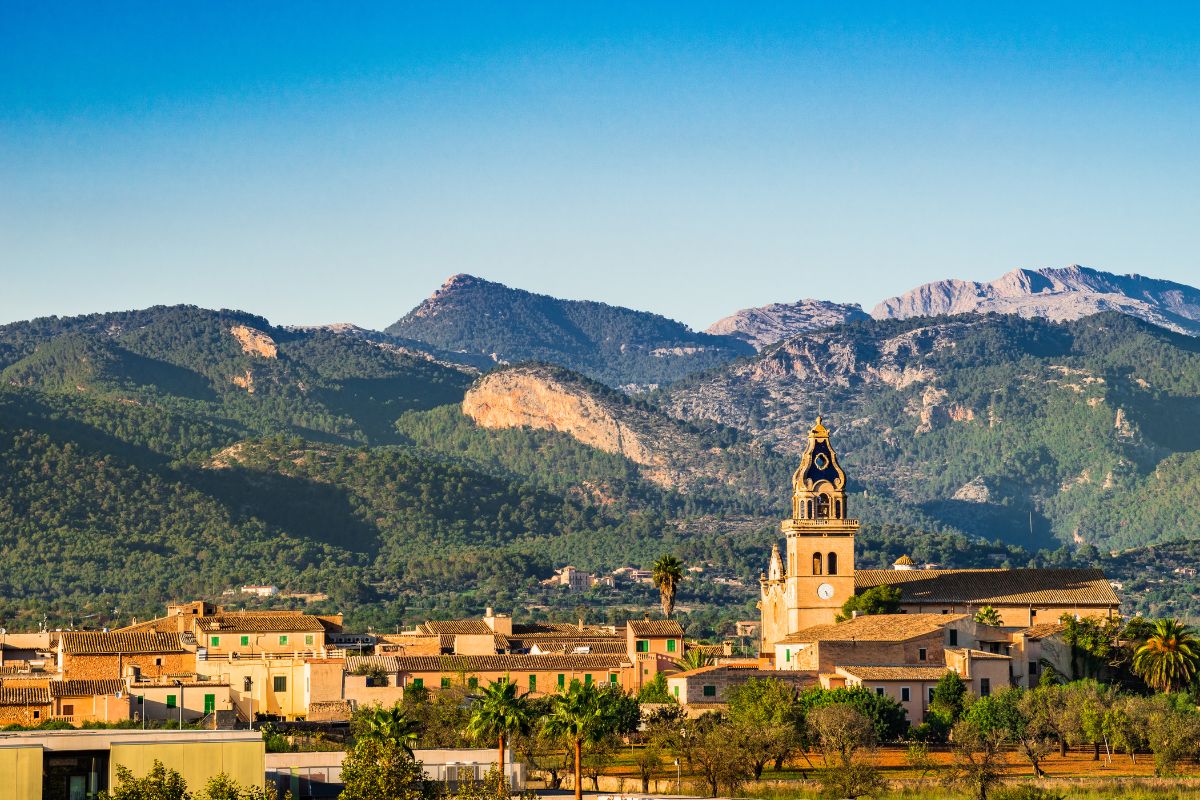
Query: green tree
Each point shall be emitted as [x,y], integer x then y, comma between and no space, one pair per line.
[844,734]
[499,713]
[714,748]
[694,658]
[577,717]
[223,787]
[988,615]
[159,783]
[376,769]
[876,600]
[978,756]
[390,726]
[655,690]
[1169,658]
[949,696]
[667,574]
[767,715]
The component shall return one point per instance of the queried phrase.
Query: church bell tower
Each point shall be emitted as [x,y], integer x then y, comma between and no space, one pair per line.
[819,573]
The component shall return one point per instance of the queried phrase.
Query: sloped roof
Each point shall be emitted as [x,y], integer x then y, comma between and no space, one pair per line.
[875,627]
[488,663]
[894,672]
[979,655]
[1035,632]
[607,647]
[24,696]
[655,627]
[86,688]
[995,587]
[743,667]
[465,627]
[260,623]
[97,642]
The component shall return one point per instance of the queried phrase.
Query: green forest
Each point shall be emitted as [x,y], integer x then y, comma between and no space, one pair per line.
[147,457]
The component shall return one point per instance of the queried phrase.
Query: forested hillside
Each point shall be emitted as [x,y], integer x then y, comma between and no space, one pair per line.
[178,452]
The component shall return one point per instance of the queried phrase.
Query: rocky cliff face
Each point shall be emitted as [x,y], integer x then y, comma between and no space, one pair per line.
[1056,294]
[546,398]
[764,326]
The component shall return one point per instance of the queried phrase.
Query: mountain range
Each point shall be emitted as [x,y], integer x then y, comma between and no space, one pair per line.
[454,460]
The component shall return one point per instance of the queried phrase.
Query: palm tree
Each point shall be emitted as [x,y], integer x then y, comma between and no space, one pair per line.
[987,615]
[1169,658]
[577,716]
[694,658]
[668,574]
[391,726]
[499,713]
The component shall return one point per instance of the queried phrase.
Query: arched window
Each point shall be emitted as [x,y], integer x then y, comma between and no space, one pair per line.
[809,514]
[831,562]
[816,563]
[837,509]
[822,506]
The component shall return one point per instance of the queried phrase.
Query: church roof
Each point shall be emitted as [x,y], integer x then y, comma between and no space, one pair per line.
[875,627]
[995,587]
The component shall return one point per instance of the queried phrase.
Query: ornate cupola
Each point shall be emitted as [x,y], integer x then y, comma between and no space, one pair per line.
[819,485]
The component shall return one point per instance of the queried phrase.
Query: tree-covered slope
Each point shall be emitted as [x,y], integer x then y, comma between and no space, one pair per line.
[615,345]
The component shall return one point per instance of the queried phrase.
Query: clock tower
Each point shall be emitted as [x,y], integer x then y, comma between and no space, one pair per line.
[819,573]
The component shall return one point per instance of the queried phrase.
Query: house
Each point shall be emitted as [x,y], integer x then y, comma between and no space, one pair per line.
[702,689]
[26,704]
[874,639]
[654,646]
[98,655]
[186,697]
[82,701]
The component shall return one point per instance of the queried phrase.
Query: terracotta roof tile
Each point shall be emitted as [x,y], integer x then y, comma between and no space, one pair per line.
[86,688]
[24,696]
[979,655]
[96,642]
[1042,631]
[894,672]
[876,627]
[492,663]
[996,587]
[466,627]
[260,623]
[655,627]
[613,647]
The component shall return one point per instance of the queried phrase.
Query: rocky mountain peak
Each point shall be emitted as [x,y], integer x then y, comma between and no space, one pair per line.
[766,325]
[1057,294]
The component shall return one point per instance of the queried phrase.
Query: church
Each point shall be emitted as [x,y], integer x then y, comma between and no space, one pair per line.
[807,584]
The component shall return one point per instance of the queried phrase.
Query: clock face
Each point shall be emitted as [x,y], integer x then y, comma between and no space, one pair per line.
[824,591]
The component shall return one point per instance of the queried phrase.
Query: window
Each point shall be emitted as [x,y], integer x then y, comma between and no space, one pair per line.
[245,641]
[587,679]
[831,563]
[562,681]
[309,638]
[931,694]
[676,690]
[533,683]
[158,662]
[279,683]
[1033,668]
[210,703]
[283,639]
[170,701]
[816,563]
[787,654]
[68,711]
[141,699]
[418,683]
[502,680]
[879,691]
[670,645]
[985,687]
[709,690]
[921,654]
[1032,614]
[612,678]
[904,695]
[216,641]
[445,683]
[472,683]
[643,645]
[37,715]
[953,637]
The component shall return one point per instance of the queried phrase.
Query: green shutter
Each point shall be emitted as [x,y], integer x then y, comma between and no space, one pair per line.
[670,645]
[612,678]
[283,639]
[710,691]
[676,692]
[587,679]
[787,654]
[643,645]
[418,683]
[472,683]
[210,703]
[562,680]
[445,683]
[533,683]
[280,683]
[308,638]
[170,701]
[216,641]
[245,641]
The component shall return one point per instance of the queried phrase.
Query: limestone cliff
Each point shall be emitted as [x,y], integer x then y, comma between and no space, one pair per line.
[669,452]
[764,326]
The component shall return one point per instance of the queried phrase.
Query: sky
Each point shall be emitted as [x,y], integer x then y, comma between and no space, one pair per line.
[336,162]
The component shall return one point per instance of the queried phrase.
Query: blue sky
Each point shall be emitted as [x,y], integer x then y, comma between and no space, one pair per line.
[336,162]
